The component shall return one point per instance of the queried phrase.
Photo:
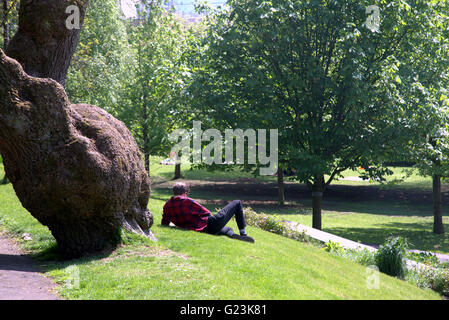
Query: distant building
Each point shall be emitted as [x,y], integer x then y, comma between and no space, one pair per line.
[184,8]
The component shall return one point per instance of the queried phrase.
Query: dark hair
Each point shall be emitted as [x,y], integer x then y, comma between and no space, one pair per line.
[179,188]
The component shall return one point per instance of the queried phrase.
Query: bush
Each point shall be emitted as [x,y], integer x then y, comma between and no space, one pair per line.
[436,279]
[335,248]
[273,224]
[426,258]
[363,257]
[390,257]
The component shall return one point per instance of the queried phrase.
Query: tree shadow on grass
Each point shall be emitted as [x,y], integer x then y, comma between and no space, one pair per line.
[419,235]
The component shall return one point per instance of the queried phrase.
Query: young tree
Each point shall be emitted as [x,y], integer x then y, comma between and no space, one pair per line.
[327,74]
[155,81]
[100,64]
[75,168]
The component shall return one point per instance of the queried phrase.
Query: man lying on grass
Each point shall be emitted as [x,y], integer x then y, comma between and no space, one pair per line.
[186,213]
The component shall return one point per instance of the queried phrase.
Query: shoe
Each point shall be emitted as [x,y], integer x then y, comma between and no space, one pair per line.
[245,238]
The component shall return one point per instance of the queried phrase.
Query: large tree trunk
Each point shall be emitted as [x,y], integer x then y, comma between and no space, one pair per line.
[438,226]
[43,44]
[75,168]
[178,174]
[317,199]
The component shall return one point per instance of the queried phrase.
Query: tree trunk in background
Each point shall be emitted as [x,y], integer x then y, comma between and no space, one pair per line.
[146,139]
[317,199]
[438,226]
[75,168]
[281,188]
[178,174]
[5,24]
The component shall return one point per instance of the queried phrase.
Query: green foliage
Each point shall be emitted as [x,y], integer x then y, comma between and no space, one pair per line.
[334,247]
[153,104]
[99,67]
[133,69]
[436,279]
[273,224]
[341,95]
[363,256]
[427,258]
[12,20]
[390,257]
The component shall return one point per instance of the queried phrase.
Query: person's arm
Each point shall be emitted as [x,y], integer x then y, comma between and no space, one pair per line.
[165,219]
[197,208]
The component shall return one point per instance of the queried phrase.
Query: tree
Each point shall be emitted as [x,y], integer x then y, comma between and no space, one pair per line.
[98,71]
[427,141]
[75,168]
[8,9]
[432,153]
[155,80]
[8,16]
[5,23]
[323,72]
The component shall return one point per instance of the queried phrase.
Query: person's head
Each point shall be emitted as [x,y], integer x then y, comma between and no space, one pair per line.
[180,189]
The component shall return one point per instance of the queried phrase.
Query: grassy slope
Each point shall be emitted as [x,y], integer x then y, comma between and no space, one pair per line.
[366,221]
[190,265]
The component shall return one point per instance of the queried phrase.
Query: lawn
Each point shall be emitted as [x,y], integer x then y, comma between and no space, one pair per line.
[190,265]
[369,221]
[401,177]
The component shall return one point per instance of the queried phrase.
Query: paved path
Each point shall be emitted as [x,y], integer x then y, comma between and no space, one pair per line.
[326,237]
[349,244]
[19,277]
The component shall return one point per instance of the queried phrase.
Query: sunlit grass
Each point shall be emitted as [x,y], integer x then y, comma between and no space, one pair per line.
[192,265]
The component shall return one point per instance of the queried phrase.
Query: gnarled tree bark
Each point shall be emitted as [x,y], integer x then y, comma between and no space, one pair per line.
[75,168]
[43,44]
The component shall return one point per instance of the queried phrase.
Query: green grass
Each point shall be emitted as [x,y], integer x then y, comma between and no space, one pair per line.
[160,173]
[371,222]
[368,221]
[191,265]
[402,178]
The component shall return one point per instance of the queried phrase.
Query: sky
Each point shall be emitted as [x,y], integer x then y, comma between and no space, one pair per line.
[183,6]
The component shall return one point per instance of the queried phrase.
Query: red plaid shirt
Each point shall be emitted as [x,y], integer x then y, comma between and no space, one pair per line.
[185,213]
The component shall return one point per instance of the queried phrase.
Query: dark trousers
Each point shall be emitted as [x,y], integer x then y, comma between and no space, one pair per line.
[216,224]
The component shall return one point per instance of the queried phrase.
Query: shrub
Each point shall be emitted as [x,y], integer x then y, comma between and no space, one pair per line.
[335,248]
[434,278]
[363,257]
[390,257]
[427,258]
[273,224]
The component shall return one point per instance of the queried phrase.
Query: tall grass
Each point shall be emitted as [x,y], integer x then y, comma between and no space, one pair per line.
[390,257]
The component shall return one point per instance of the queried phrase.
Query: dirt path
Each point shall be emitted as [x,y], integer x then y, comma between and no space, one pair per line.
[19,277]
